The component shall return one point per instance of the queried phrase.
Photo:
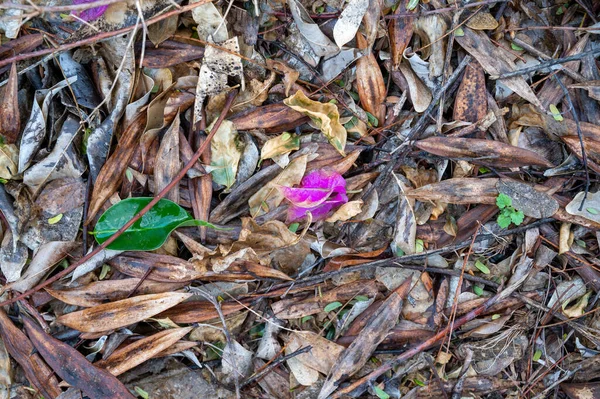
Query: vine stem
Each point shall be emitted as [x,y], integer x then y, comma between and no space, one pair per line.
[141,213]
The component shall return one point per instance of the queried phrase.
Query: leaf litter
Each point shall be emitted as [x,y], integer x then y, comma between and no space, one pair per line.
[299,199]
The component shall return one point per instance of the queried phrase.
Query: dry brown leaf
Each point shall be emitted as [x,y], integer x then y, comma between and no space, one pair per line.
[10,121]
[482,152]
[495,62]
[290,75]
[274,118]
[353,358]
[144,349]
[121,313]
[400,31]
[325,115]
[482,21]
[461,190]
[470,104]
[369,83]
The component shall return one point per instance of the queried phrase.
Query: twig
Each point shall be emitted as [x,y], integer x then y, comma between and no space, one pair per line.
[141,213]
[73,7]
[544,65]
[274,364]
[99,37]
[580,135]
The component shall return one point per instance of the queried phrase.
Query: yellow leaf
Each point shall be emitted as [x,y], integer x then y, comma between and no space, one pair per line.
[346,211]
[9,158]
[325,116]
[483,21]
[55,219]
[282,144]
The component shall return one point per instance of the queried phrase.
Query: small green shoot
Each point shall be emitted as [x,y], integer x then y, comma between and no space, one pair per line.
[508,214]
[381,394]
[332,306]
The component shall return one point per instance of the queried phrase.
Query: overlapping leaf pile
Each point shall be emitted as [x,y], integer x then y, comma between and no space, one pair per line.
[299,199]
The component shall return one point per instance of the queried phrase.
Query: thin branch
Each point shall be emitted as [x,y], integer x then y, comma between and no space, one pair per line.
[443,10]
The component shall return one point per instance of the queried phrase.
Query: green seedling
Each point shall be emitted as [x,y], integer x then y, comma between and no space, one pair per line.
[508,214]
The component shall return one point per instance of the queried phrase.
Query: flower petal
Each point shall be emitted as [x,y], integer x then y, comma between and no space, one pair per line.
[324,179]
[91,13]
[305,197]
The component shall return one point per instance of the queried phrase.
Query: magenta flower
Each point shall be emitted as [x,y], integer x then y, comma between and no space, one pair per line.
[319,192]
[91,13]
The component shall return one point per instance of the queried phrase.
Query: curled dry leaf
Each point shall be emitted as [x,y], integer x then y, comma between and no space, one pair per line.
[325,116]
[432,29]
[483,152]
[370,84]
[400,30]
[279,146]
[9,158]
[167,163]
[420,96]
[121,313]
[138,352]
[290,75]
[73,367]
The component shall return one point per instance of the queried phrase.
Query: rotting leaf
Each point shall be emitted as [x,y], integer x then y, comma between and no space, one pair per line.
[147,233]
[10,121]
[121,313]
[370,84]
[470,104]
[320,44]
[325,116]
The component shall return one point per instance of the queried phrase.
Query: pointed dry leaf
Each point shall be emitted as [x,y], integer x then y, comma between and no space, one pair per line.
[138,352]
[482,152]
[458,191]
[121,313]
[274,118]
[168,163]
[325,116]
[401,32]
[346,211]
[370,85]
[420,96]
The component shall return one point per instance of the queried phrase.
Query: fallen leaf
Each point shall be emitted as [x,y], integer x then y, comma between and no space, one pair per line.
[117,314]
[347,24]
[10,121]
[482,21]
[470,104]
[325,116]
[320,44]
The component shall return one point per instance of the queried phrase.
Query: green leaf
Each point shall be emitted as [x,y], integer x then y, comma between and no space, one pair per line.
[504,220]
[478,290]
[517,217]
[556,113]
[495,316]
[305,319]
[294,227]
[459,32]
[150,231]
[419,245]
[593,211]
[104,272]
[381,394]
[482,267]
[372,120]
[412,4]
[516,47]
[419,382]
[503,200]
[537,355]
[55,219]
[361,298]
[141,392]
[332,306]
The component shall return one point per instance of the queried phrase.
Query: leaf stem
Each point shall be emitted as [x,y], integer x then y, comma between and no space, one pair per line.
[141,213]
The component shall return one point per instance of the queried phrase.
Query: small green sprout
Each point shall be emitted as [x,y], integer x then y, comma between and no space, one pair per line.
[508,214]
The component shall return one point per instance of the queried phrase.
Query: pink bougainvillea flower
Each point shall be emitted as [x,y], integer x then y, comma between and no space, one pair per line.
[319,192]
[91,13]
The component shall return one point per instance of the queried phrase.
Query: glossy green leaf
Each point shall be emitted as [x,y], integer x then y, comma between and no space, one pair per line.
[478,290]
[537,355]
[381,394]
[503,200]
[150,231]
